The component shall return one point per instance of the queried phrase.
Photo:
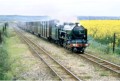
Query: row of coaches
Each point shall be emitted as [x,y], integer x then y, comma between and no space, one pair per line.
[46,29]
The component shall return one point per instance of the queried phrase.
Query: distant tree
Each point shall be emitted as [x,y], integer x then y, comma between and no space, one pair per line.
[3,29]
[6,24]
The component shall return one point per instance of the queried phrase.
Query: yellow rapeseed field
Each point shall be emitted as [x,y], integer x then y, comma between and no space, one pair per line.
[100,29]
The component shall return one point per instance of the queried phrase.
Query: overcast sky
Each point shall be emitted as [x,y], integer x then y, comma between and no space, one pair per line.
[60,7]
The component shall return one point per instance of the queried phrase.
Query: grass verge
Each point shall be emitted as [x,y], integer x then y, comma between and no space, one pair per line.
[4,57]
[103,52]
[13,54]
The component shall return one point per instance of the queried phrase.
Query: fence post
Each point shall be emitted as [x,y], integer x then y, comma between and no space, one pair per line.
[114,38]
[0,37]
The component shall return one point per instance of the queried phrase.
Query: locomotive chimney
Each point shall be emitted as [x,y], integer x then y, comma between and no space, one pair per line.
[76,24]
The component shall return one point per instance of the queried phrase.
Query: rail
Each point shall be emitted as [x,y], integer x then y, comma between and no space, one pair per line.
[62,72]
[108,65]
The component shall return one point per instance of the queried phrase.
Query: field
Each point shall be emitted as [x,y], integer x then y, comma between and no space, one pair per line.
[102,31]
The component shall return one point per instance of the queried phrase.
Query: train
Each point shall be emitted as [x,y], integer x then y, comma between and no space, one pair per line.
[68,34]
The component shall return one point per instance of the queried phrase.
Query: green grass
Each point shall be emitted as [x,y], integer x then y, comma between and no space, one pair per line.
[12,61]
[4,62]
[82,65]
[87,77]
[14,50]
[104,74]
[4,57]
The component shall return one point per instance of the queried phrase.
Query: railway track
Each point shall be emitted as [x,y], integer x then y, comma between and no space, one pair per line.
[103,63]
[62,72]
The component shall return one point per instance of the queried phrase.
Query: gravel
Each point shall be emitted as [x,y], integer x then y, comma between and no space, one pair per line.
[37,70]
[34,68]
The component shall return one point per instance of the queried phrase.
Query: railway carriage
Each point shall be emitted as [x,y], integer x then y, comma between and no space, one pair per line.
[43,29]
[35,28]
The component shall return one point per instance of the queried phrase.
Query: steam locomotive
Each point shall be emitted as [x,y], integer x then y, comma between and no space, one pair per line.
[69,35]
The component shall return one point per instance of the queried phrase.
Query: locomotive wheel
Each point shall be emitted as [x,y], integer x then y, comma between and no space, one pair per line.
[74,50]
[64,45]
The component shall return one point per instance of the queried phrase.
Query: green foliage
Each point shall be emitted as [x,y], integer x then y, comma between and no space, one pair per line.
[105,48]
[104,74]
[104,51]
[4,61]
[4,57]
